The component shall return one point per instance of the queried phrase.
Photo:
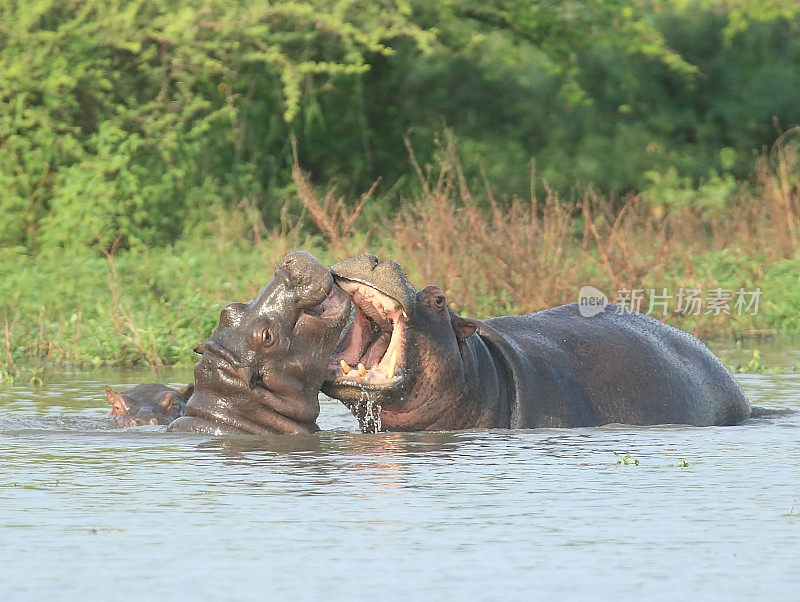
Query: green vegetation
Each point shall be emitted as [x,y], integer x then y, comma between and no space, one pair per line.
[625,460]
[127,120]
[151,306]
[151,154]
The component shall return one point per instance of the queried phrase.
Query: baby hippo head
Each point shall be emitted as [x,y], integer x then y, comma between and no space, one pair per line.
[147,404]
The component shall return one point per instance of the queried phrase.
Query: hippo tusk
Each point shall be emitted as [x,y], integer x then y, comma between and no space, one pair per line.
[345,366]
[362,371]
[392,365]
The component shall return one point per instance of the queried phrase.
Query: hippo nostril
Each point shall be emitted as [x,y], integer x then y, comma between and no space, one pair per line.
[372,259]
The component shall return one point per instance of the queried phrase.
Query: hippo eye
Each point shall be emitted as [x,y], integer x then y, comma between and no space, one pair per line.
[438,301]
[263,337]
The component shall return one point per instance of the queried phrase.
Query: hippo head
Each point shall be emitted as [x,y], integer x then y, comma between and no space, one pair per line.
[147,404]
[262,368]
[402,349]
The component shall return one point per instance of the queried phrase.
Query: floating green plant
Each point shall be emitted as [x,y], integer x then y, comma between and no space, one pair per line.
[626,460]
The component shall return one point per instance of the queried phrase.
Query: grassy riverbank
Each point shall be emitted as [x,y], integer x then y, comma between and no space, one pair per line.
[149,161]
[151,307]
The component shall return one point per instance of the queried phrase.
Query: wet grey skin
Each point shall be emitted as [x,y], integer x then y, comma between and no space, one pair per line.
[147,404]
[553,368]
[261,370]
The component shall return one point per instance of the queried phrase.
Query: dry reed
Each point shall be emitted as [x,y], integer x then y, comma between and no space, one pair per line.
[536,253]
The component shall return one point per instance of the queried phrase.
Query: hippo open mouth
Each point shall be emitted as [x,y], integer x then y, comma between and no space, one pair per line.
[371,354]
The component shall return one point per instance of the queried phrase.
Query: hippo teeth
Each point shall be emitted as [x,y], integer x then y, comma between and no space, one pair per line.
[373,348]
[392,365]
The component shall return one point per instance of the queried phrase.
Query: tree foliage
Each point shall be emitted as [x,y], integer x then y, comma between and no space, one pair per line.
[125,120]
[119,117]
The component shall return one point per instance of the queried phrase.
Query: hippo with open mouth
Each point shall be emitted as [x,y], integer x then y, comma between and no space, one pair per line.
[409,363]
[262,368]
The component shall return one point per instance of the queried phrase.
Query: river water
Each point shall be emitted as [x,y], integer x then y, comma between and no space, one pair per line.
[92,512]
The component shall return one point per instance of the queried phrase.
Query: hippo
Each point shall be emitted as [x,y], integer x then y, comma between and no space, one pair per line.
[410,363]
[147,404]
[261,370]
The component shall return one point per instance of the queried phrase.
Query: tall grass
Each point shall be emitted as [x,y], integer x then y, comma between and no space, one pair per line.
[538,252]
[151,307]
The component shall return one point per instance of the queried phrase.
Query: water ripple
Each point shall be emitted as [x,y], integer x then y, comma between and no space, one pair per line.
[86,509]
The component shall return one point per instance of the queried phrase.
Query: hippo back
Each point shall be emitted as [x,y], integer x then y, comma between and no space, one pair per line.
[618,366]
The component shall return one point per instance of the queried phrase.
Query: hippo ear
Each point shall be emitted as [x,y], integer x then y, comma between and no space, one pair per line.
[168,401]
[186,392]
[117,401]
[464,327]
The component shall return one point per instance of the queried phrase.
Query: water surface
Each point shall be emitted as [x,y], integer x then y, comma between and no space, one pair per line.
[92,512]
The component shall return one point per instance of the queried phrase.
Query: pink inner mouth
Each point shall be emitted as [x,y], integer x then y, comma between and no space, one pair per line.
[374,346]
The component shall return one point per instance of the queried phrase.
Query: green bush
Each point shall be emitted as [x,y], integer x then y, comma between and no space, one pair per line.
[126,122]
[118,119]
